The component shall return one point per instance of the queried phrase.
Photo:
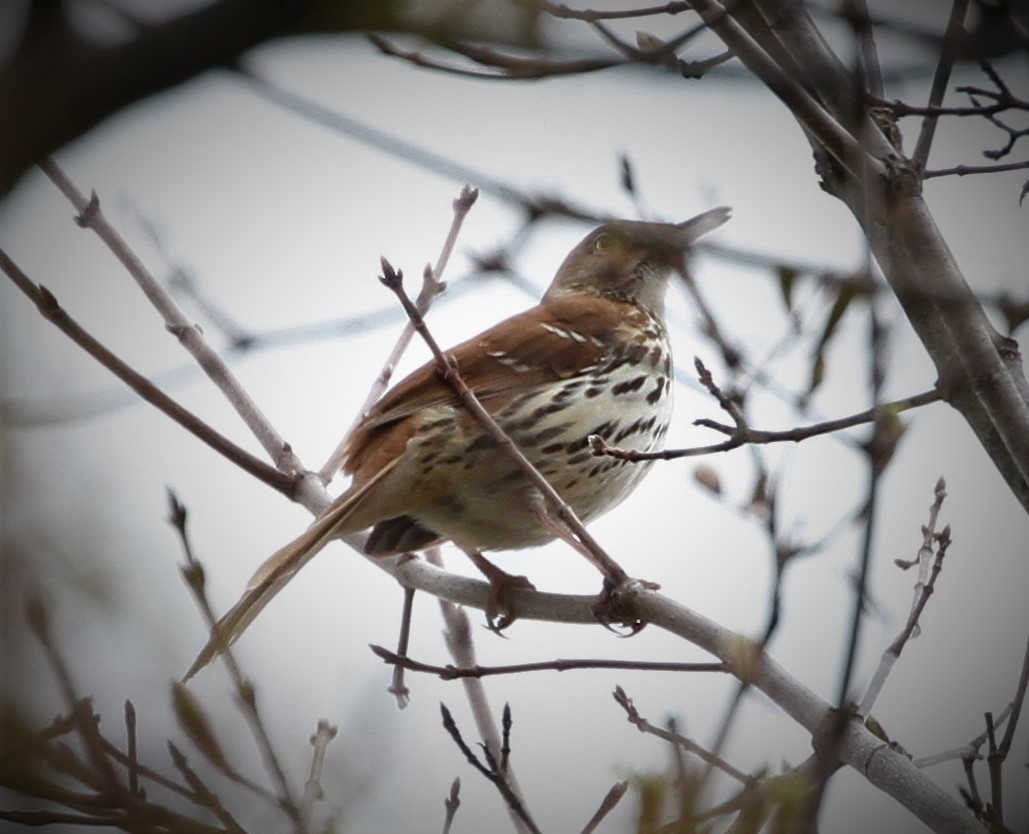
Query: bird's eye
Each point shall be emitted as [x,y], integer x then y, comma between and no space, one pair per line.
[603,242]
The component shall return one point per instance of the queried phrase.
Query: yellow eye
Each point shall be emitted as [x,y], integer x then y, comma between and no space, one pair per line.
[603,243]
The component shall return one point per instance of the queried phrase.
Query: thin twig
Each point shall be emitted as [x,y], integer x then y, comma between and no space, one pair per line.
[924,587]
[432,286]
[131,748]
[323,735]
[91,217]
[451,804]
[557,665]
[967,170]
[193,572]
[644,726]
[398,686]
[457,635]
[970,751]
[488,770]
[1016,703]
[52,311]
[563,12]
[607,805]
[955,28]
[741,435]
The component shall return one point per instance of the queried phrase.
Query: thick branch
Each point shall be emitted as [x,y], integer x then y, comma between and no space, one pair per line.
[58,85]
[885,767]
[980,372]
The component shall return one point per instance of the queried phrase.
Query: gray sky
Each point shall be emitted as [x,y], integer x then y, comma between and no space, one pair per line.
[282,222]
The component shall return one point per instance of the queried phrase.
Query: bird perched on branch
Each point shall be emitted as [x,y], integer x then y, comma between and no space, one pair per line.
[592,358]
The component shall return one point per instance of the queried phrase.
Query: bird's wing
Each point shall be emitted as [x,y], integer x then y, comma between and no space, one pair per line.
[543,344]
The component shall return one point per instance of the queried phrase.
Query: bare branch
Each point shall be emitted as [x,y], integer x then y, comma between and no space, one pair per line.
[52,311]
[488,770]
[955,28]
[644,726]
[923,590]
[432,286]
[246,695]
[506,67]
[744,435]
[90,216]
[557,665]
[313,788]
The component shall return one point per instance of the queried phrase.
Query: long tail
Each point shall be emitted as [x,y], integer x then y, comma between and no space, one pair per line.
[273,575]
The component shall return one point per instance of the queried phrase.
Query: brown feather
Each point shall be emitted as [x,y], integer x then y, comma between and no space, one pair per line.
[511,357]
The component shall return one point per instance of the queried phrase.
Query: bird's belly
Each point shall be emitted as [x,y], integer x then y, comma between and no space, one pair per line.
[490,502]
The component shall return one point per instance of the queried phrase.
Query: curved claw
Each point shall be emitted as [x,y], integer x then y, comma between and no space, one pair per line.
[500,608]
[611,611]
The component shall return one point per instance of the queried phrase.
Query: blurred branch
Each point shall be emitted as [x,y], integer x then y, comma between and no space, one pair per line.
[73,775]
[607,805]
[83,81]
[501,66]
[91,217]
[246,696]
[52,312]
[533,204]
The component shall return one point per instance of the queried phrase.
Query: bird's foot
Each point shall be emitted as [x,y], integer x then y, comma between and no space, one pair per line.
[614,608]
[503,587]
[500,607]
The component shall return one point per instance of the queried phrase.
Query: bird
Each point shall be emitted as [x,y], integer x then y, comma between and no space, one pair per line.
[592,358]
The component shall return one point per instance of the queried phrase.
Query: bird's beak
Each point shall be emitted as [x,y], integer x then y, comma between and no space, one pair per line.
[677,237]
[690,231]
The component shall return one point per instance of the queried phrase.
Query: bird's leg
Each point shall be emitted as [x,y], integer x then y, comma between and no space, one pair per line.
[500,610]
[612,572]
[605,609]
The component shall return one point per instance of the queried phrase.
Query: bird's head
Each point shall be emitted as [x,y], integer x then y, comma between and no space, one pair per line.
[631,260]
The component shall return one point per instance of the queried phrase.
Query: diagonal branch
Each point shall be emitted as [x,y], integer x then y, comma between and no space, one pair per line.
[432,286]
[955,28]
[52,312]
[91,217]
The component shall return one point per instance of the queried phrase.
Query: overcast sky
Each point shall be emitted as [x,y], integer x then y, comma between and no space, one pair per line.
[281,221]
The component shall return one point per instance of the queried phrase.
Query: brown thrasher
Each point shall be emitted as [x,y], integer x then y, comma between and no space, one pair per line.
[592,358]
